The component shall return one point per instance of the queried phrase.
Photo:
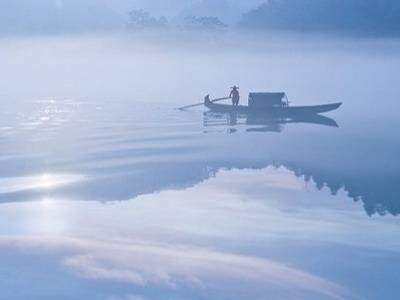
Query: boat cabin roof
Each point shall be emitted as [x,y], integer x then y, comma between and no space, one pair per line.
[266,99]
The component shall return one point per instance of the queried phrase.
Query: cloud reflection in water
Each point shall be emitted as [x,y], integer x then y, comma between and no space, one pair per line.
[194,239]
[178,266]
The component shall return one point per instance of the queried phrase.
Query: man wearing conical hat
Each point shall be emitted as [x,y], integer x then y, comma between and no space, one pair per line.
[235,95]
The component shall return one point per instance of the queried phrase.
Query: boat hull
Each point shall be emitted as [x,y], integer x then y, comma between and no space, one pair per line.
[289,110]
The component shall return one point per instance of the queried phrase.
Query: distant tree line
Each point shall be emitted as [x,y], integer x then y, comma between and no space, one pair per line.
[140,20]
[343,16]
[208,23]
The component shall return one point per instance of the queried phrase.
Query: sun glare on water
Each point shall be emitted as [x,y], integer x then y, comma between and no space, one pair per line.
[44,181]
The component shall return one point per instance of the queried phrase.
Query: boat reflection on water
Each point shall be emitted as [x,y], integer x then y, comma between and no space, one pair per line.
[263,123]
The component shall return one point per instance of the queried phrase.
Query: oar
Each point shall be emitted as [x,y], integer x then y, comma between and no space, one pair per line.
[202,103]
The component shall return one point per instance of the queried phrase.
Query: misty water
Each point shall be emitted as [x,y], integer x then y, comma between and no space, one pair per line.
[107,191]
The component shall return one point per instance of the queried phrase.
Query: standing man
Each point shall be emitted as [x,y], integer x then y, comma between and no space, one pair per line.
[235,95]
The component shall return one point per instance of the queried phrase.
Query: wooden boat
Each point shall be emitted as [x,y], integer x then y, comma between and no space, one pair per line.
[270,103]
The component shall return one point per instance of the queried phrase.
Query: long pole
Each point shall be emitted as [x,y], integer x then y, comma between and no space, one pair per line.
[202,103]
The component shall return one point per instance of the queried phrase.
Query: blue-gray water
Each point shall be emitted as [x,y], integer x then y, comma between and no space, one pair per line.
[107,191]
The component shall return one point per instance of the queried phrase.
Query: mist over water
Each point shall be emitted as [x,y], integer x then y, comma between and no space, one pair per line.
[119,195]
[182,67]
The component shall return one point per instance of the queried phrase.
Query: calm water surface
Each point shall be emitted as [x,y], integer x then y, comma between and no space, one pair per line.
[127,199]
